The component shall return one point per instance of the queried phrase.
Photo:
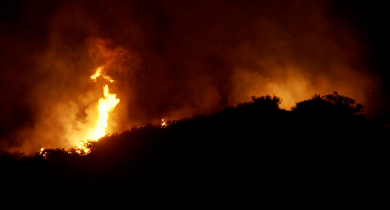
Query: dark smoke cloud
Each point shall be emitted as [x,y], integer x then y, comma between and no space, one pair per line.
[170,59]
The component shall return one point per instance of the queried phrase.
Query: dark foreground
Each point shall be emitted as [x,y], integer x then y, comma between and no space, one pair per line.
[323,150]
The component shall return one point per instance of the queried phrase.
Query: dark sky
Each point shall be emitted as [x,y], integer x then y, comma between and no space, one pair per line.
[174,59]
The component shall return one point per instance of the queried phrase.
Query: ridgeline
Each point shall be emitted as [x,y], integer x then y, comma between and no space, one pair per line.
[324,143]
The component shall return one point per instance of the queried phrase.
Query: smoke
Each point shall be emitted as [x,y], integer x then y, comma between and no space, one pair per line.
[169,59]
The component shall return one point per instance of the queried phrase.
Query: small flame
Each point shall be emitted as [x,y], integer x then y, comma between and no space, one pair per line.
[163,123]
[97,74]
[108,78]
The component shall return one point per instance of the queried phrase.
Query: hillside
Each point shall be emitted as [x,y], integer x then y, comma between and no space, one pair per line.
[324,143]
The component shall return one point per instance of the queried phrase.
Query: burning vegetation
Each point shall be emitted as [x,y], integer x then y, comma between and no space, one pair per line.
[167,60]
[106,104]
[146,94]
[254,144]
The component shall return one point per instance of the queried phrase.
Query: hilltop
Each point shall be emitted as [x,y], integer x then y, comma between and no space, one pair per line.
[323,143]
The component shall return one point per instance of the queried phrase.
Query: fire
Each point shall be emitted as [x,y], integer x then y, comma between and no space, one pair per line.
[106,104]
[43,153]
[99,73]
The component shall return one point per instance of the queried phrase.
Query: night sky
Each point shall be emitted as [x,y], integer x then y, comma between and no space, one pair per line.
[177,59]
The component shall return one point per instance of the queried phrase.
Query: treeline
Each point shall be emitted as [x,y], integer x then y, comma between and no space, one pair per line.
[322,143]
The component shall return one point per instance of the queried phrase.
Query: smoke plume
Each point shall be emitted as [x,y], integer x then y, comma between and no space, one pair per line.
[169,59]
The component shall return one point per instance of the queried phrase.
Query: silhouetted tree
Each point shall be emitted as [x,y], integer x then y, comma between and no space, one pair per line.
[268,102]
[331,102]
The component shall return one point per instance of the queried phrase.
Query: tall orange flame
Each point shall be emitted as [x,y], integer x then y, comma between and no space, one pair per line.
[106,104]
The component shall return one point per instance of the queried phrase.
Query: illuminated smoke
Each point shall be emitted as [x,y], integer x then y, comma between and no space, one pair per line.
[197,57]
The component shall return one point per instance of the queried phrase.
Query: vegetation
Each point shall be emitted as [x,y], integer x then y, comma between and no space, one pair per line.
[321,143]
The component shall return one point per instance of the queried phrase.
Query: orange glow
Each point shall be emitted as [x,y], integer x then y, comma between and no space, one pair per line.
[106,105]
[97,74]
[108,78]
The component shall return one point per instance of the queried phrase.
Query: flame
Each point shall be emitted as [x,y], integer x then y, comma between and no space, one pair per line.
[106,104]
[99,73]
[43,153]
[163,123]
[108,78]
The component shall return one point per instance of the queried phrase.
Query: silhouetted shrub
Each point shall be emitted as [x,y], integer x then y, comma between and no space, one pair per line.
[330,103]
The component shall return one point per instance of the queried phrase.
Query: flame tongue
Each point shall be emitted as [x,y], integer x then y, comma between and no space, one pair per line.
[106,104]
[97,74]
